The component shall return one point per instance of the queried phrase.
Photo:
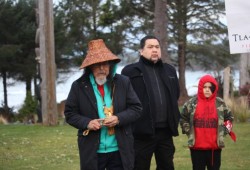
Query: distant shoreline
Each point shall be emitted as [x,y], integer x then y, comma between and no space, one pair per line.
[16,92]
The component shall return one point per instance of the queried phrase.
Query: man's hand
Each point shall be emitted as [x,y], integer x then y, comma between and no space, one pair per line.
[111,121]
[95,124]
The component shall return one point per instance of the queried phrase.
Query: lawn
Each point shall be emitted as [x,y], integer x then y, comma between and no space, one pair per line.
[39,147]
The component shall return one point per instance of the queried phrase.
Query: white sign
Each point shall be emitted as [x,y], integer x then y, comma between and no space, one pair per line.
[238,22]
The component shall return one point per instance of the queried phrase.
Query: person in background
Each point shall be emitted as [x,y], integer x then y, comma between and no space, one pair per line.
[157,87]
[102,105]
[206,119]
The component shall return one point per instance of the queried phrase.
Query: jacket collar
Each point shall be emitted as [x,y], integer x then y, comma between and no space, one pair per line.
[150,63]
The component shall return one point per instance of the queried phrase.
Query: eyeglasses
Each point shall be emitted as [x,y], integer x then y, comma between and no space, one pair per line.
[106,63]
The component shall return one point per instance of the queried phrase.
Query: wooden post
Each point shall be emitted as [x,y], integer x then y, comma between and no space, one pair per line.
[47,62]
[226,84]
[244,69]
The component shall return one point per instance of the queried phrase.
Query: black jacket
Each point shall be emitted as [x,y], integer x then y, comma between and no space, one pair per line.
[140,81]
[81,107]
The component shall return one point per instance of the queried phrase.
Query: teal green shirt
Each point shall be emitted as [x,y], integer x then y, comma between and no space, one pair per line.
[108,143]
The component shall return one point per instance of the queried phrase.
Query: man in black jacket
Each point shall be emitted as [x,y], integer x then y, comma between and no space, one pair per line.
[102,105]
[157,87]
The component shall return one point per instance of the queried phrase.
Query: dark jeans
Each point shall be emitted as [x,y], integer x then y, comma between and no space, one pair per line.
[161,145]
[110,161]
[206,158]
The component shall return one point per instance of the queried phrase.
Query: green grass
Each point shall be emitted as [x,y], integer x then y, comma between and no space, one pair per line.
[235,155]
[38,147]
[24,147]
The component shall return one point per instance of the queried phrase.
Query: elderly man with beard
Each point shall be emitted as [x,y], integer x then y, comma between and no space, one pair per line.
[102,105]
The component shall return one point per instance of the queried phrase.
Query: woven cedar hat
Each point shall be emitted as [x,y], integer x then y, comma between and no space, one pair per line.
[97,53]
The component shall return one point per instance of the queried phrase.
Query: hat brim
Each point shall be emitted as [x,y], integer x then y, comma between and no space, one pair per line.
[98,53]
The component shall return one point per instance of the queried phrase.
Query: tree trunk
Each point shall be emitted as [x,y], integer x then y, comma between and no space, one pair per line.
[28,85]
[160,27]
[48,67]
[182,70]
[181,36]
[5,90]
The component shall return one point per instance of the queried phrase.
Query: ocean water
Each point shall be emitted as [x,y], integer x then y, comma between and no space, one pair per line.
[16,91]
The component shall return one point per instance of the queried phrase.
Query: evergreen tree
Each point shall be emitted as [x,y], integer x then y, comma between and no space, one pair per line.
[9,46]
[197,34]
[26,22]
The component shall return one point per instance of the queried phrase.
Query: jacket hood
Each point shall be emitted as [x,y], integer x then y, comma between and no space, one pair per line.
[203,80]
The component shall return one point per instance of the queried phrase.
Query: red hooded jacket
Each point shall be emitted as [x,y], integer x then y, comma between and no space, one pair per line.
[205,117]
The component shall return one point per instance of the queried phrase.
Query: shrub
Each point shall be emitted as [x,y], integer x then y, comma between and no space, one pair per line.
[239,109]
[244,90]
[3,120]
[7,113]
[28,110]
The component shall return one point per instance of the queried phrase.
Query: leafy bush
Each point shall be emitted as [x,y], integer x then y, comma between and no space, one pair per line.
[7,113]
[3,120]
[244,90]
[28,110]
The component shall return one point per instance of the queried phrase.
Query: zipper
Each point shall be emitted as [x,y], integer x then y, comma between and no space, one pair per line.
[152,125]
[158,86]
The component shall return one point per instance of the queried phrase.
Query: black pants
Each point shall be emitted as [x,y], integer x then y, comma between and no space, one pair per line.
[110,161]
[161,145]
[206,158]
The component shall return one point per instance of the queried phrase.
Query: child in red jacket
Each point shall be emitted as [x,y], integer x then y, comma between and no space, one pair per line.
[206,119]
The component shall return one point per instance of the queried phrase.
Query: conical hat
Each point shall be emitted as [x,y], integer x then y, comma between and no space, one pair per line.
[97,53]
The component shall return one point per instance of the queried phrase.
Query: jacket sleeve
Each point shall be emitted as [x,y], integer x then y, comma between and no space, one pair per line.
[133,108]
[227,113]
[185,120]
[228,116]
[228,120]
[72,110]
[177,84]
[127,70]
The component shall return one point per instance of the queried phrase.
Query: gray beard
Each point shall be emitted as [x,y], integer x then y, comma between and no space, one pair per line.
[101,81]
